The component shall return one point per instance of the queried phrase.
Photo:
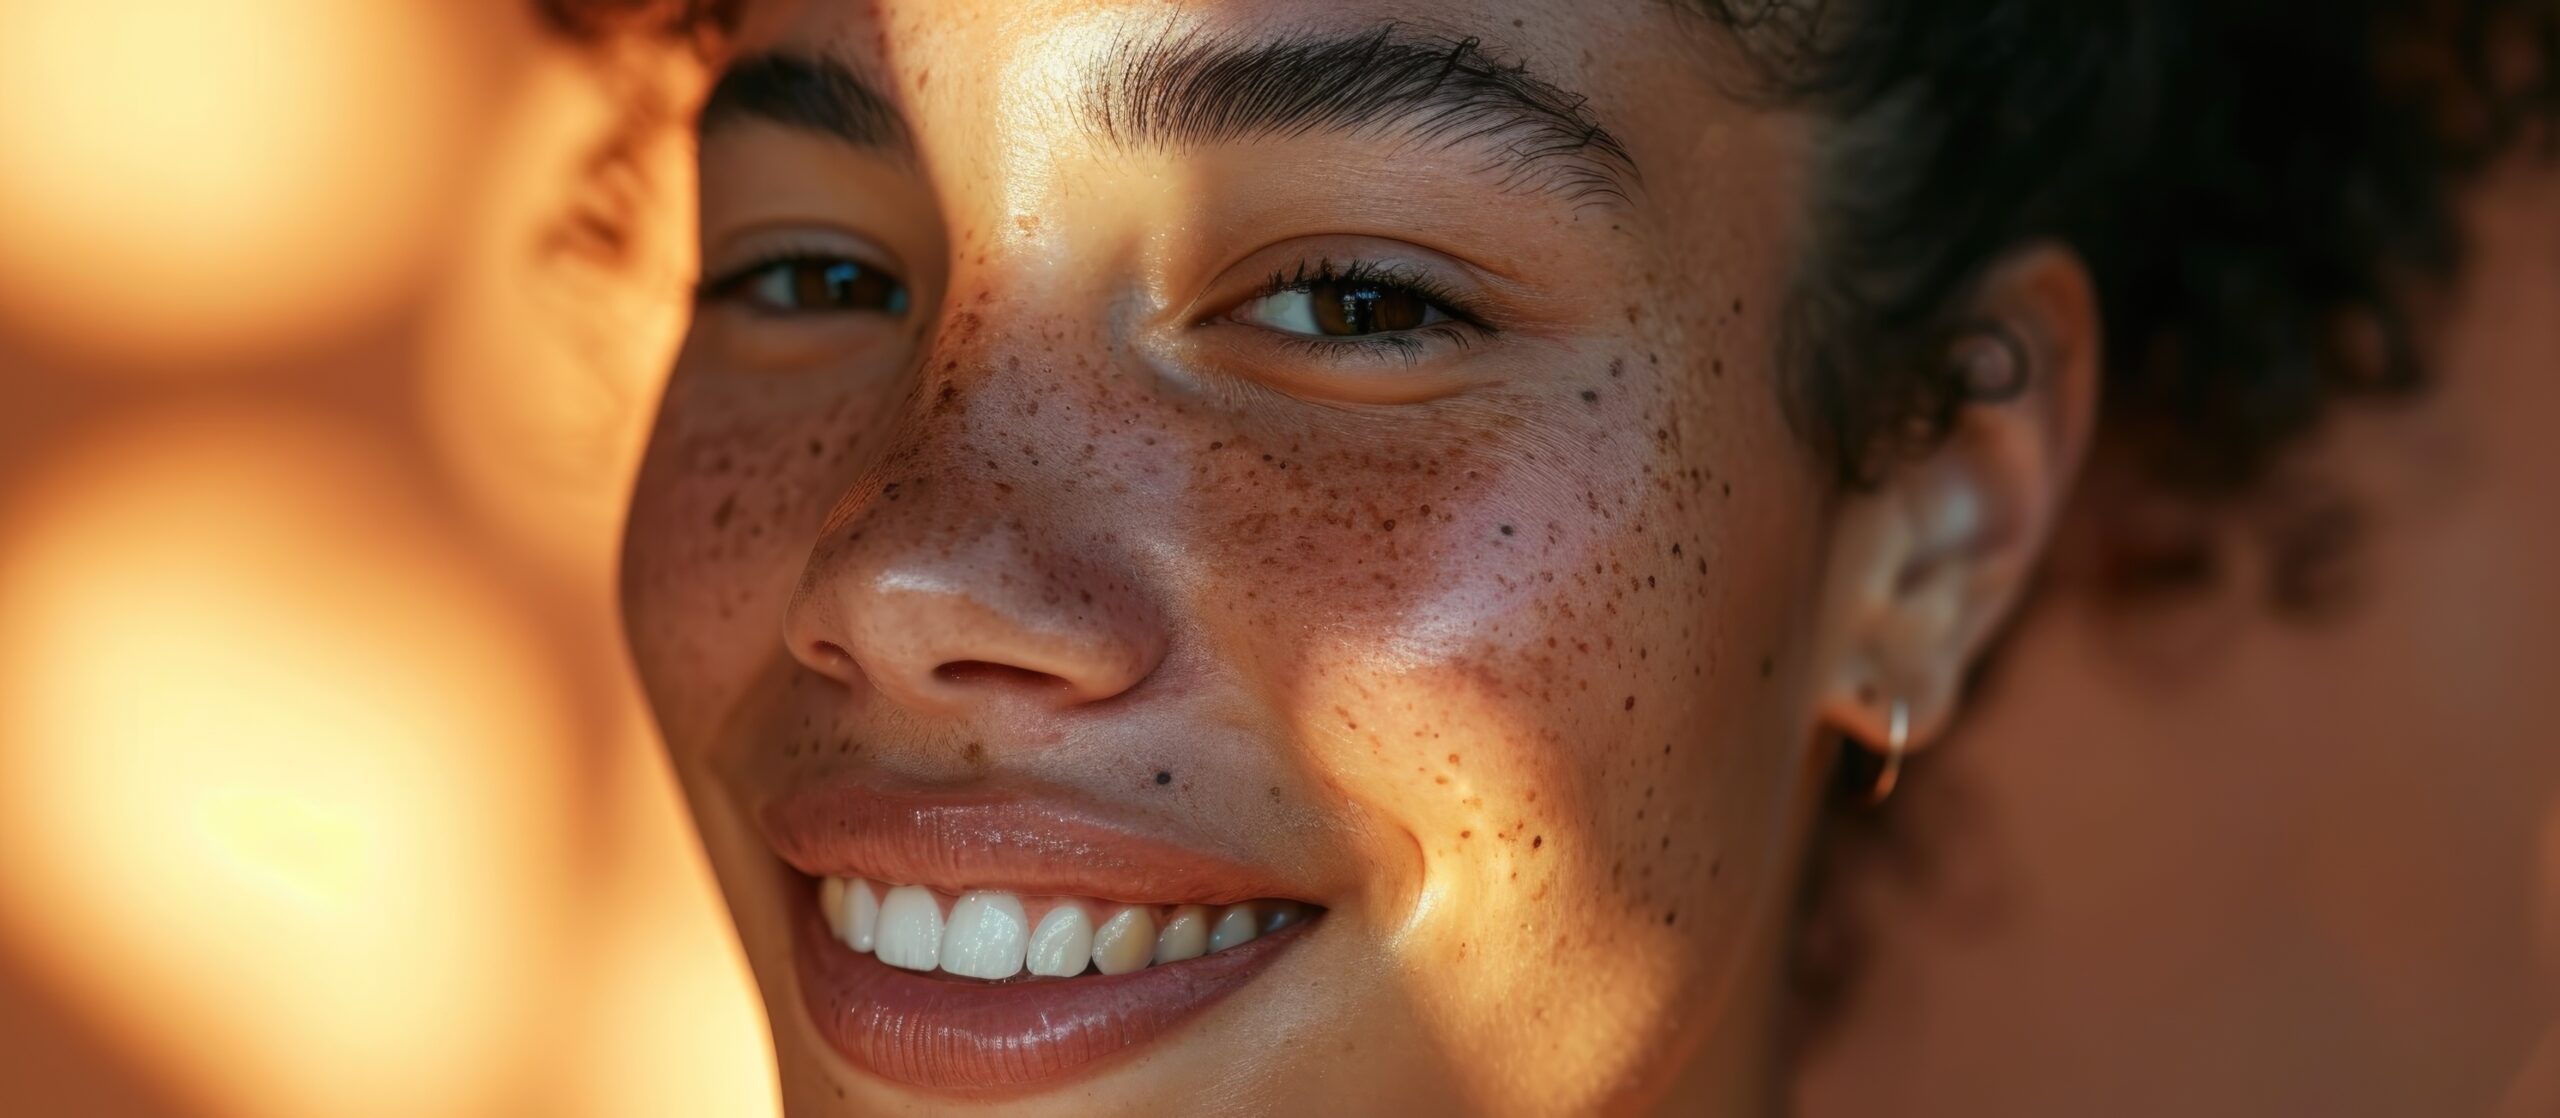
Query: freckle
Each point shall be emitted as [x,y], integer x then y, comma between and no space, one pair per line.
[1453,758]
[1631,703]
[1163,777]
[1617,367]
[1767,665]
[1537,841]
[729,508]
[1217,446]
[1670,918]
[1466,834]
[816,448]
[1590,397]
[1719,366]
[1737,306]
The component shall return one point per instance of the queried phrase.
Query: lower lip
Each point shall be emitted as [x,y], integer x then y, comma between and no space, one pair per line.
[960,1036]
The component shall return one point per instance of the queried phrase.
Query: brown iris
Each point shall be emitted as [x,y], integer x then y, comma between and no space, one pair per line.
[1352,309]
[842,285]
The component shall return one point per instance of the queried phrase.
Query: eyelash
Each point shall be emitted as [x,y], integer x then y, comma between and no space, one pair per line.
[731,286]
[1465,326]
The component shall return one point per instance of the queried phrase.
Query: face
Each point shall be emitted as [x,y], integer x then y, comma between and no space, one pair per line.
[1170,575]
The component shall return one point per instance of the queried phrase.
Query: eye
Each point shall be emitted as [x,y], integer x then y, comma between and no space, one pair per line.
[797,285]
[1356,304]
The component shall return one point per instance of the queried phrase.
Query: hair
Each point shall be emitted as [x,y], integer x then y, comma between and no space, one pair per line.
[2258,191]
[2262,194]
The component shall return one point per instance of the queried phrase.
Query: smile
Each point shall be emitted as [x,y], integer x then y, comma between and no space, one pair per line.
[986,947]
[994,935]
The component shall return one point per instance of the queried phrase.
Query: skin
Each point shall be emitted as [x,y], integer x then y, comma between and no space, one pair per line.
[2332,839]
[1527,660]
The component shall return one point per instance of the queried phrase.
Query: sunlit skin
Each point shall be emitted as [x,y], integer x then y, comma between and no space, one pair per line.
[2201,783]
[1521,647]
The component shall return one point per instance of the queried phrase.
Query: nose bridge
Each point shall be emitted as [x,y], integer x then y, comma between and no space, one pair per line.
[959,572]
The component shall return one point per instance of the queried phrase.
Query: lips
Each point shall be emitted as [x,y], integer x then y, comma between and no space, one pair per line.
[982,1009]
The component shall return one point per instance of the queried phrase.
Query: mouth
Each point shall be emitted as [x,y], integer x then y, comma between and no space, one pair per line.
[991,947]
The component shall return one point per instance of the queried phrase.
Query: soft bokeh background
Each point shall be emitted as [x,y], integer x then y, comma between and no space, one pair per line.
[328,336]
[329,331]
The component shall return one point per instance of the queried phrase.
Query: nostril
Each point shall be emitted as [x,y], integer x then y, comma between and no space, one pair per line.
[977,673]
[830,656]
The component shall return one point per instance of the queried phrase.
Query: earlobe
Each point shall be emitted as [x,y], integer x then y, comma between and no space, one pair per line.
[1928,566]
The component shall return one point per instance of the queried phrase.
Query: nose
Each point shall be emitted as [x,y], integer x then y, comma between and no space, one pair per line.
[942,602]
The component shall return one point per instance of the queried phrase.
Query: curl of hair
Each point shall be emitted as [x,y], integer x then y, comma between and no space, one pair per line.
[2257,190]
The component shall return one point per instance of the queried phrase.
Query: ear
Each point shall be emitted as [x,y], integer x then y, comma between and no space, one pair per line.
[1927,566]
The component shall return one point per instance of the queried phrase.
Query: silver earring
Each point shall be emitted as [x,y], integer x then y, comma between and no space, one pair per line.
[1897,739]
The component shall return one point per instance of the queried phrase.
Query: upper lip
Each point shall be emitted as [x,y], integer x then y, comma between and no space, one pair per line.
[959,841]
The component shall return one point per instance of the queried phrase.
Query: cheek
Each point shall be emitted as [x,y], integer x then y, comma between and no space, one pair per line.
[1548,650]
[739,475]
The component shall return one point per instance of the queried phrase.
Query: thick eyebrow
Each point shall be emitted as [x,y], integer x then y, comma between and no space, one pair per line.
[1198,88]
[810,92]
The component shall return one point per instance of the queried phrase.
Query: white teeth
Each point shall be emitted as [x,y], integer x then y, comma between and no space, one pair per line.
[987,935]
[1235,925]
[862,914]
[852,910]
[1185,936]
[1063,943]
[910,929]
[1124,942]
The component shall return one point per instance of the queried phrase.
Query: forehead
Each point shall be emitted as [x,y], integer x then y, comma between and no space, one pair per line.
[1556,98]
[1582,45]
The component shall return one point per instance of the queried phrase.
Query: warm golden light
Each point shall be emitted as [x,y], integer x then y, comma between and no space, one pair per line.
[281,782]
[186,182]
[541,363]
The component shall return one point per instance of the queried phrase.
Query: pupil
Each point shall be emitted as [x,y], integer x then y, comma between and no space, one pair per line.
[844,285]
[1343,310]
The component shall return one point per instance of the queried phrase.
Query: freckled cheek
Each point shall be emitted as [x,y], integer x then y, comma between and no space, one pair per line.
[722,520]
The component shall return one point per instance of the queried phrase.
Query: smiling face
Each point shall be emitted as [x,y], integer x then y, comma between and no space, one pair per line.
[1138,456]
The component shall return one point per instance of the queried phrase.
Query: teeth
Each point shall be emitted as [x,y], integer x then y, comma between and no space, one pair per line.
[1062,945]
[987,935]
[1185,936]
[1124,942]
[1235,925]
[862,915]
[852,910]
[910,929]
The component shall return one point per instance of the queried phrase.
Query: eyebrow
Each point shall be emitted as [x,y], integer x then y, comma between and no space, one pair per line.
[1431,89]
[809,92]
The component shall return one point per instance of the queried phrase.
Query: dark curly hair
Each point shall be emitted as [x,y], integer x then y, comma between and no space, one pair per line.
[2261,192]
[2254,187]
[2258,190]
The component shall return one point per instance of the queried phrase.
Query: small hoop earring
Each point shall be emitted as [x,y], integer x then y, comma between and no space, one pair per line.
[1897,739]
